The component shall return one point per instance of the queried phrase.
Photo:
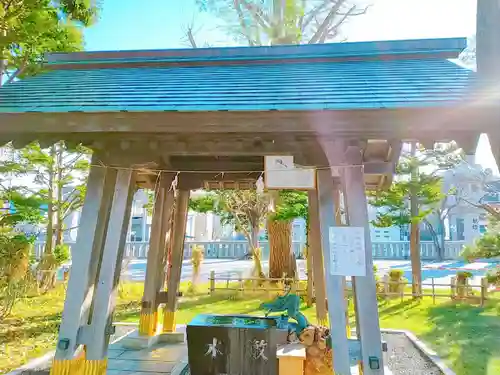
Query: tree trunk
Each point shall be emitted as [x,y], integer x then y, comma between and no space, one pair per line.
[49,239]
[280,249]
[416,267]
[48,262]
[49,233]
[59,232]
[3,60]
[435,238]
[254,240]
[441,236]
[58,182]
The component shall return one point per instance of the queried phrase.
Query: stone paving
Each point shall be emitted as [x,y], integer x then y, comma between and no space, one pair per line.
[161,359]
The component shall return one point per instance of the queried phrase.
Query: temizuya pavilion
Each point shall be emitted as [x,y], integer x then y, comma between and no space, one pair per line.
[346,105]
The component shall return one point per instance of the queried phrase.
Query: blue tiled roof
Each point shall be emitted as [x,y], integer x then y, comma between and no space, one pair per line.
[314,85]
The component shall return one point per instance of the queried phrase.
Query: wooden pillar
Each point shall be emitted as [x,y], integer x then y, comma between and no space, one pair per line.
[314,242]
[309,271]
[148,320]
[165,239]
[365,286]
[337,201]
[85,258]
[487,56]
[179,232]
[114,246]
[487,47]
[334,284]
[494,139]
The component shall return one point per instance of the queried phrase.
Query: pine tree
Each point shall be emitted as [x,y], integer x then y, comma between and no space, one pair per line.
[415,194]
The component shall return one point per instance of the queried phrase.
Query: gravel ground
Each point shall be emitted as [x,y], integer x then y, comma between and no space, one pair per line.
[405,359]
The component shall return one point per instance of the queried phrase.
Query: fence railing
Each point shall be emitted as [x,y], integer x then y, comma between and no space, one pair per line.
[386,288]
[394,250]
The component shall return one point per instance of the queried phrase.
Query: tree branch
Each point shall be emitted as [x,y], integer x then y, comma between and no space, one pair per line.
[257,14]
[241,17]
[70,163]
[69,197]
[489,209]
[334,27]
[433,233]
[18,72]
[326,22]
[311,16]
[68,210]
[190,36]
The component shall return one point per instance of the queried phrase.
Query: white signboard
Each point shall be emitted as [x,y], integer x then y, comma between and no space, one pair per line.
[347,251]
[282,173]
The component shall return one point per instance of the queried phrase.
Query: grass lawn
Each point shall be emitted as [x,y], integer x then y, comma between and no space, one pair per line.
[466,336]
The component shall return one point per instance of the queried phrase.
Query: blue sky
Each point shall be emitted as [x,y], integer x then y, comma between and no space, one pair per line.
[152,24]
[148,24]
[157,24]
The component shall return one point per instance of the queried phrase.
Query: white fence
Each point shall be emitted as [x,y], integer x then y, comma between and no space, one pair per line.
[238,249]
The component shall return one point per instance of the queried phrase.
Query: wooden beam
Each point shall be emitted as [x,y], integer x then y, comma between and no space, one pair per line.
[214,165]
[222,145]
[468,143]
[393,159]
[403,123]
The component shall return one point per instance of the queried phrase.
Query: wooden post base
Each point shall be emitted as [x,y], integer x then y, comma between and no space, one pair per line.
[79,366]
[168,321]
[148,323]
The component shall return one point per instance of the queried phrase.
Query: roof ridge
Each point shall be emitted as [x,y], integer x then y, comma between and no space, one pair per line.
[395,49]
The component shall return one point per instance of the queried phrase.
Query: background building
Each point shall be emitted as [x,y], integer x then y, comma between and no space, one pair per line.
[464,222]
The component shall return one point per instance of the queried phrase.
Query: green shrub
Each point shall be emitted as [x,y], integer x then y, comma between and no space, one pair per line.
[486,246]
[15,249]
[493,276]
[462,283]
[197,257]
[396,281]
[464,275]
[396,274]
[378,284]
[61,254]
